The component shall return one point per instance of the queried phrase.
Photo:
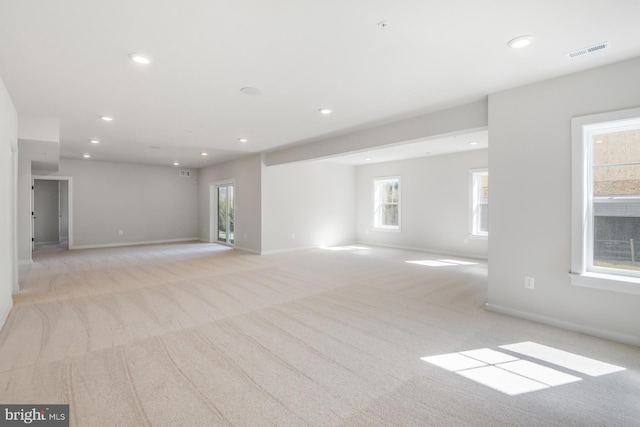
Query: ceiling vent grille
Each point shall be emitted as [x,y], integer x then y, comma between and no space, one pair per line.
[587,50]
[185,174]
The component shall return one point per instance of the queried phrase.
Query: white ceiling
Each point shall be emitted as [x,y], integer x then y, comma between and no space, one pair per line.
[68,59]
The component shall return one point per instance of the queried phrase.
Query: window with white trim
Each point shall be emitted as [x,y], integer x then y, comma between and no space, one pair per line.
[606,198]
[479,217]
[386,203]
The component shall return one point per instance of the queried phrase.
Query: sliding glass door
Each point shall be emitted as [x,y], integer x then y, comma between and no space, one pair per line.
[225,213]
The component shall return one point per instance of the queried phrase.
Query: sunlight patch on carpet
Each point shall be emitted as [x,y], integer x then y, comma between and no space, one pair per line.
[575,362]
[512,375]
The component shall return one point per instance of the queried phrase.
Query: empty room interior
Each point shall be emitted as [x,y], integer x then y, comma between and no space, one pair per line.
[277,213]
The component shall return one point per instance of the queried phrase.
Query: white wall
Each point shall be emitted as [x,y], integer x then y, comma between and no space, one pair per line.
[434,204]
[313,200]
[148,203]
[39,128]
[247,175]
[8,178]
[530,222]
[39,142]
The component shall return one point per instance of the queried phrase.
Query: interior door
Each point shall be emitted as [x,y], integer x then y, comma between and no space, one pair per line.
[46,212]
[225,213]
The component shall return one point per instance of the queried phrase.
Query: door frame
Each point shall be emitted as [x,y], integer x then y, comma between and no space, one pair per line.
[213,209]
[69,202]
[14,218]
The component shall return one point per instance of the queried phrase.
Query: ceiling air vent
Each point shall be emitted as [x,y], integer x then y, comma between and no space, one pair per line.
[185,174]
[587,50]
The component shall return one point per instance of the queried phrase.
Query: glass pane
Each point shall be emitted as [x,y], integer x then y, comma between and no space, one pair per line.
[484,188]
[394,192]
[390,215]
[616,238]
[386,197]
[222,214]
[230,215]
[484,218]
[386,202]
[616,222]
[614,171]
[480,207]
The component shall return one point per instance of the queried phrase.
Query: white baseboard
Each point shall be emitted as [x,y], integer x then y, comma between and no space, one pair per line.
[240,248]
[252,251]
[302,248]
[25,261]
[283,251]
[148,242]
[5,313]
[425,250]
[562,324]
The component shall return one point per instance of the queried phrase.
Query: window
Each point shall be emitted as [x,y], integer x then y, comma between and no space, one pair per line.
[479,217]
[606,201]
[386,197]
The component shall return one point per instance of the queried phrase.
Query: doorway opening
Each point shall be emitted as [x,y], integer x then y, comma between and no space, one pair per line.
[222,212]
[51,213]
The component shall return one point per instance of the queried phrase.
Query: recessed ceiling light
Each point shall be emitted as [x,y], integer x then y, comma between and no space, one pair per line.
[473,143]
[325,111]
[106,118]
[86,155]
[140,58]
[176,164]
[243,140]
[367,159]
[251,91]
[520,42]
[204,153]
[95,141]
[598,141]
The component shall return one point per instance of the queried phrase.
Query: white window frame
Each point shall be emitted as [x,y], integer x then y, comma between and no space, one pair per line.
[377,205]
[474,217]
[583,272]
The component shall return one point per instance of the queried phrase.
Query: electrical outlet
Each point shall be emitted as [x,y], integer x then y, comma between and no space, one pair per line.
[293,235]
[120,232]
[529,283]
[245,236]
[466,240]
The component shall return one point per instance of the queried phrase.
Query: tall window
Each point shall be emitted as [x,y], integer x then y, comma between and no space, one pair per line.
[606,195]
[479,217]
[386,208]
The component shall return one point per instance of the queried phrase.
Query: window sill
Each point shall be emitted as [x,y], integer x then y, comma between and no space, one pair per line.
[391,229]
[478,236]
[607,282]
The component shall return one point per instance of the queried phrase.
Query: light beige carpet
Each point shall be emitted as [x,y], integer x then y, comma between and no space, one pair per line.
[201,335]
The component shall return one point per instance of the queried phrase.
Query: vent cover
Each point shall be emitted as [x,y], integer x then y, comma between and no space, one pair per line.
[185,174]
[587,50]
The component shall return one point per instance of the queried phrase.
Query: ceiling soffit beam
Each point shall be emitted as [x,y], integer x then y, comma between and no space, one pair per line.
[464,118]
